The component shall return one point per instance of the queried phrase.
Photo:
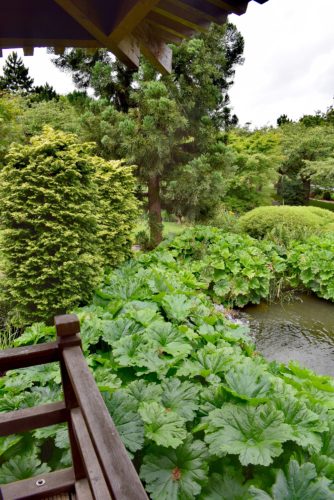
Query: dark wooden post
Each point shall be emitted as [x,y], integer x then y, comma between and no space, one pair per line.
[68,329]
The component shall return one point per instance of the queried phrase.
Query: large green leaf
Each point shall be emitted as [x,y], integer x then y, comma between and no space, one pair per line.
[175,474]
[226,486]
[165,428]
[22,467]
[144,392]
[180,397]
[177,307]
[248,381]
[255,434]
[129,424]
[166,338]
[306,425]
[299,483]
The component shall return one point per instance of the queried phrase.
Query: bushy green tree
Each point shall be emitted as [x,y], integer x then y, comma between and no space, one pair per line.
[306,150]
[49,242]
[257,156]
[15,75]
[118,209]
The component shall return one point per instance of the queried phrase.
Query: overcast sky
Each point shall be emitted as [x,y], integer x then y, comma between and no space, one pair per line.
[289,61]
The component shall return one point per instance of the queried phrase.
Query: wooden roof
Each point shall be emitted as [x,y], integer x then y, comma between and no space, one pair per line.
[125,27]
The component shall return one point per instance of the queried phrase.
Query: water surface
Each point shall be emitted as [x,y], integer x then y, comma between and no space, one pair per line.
[302,330]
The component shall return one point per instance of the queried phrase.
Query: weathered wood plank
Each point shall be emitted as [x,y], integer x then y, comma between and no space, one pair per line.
[155,49]
[117,467]
[128,15]
[28,51]
[82,490]
[21,357]
[50,484]
[94,472]
[28,419]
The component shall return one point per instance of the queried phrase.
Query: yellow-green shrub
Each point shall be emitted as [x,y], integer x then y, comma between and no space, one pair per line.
[285,222]
[48,199]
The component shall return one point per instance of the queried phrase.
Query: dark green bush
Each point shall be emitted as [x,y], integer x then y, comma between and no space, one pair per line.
[285,223]
[311,264]
[49,242]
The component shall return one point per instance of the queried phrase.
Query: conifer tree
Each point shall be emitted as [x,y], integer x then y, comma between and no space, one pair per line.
[15,75]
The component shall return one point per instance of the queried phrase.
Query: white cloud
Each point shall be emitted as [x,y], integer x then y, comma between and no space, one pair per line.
[289,60]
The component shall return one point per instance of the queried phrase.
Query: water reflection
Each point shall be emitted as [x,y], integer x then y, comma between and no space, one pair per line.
[302,330]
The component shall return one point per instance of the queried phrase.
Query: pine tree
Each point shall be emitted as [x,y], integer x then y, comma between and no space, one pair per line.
[15,75]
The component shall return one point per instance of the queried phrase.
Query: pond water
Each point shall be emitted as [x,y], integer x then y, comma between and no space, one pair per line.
[302,330]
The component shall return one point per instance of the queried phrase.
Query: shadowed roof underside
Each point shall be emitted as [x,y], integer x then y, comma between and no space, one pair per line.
[125,27]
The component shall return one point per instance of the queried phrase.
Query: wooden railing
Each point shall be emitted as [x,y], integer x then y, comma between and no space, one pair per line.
[101,468]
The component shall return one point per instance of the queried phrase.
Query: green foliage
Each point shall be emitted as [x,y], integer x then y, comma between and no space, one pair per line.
[234,269]
[118,209]
[322,204]
[307,158]
[201,413]
[257,156]
[49,242]
[311,263]
[285,223]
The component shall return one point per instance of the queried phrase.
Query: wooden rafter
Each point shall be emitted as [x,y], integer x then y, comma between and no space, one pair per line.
[129,15]
[125,27]
[83,13]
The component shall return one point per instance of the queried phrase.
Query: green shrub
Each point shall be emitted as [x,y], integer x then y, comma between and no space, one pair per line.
[322,204]
[234,269]
[49,243]
[285,222]
[118,210]
[312,264]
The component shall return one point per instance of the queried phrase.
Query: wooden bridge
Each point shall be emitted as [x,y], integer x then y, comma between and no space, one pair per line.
[101,468]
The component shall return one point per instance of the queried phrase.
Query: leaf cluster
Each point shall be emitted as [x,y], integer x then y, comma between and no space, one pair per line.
[202,414]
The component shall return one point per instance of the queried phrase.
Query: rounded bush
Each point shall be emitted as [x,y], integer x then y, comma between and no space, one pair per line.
[285,222]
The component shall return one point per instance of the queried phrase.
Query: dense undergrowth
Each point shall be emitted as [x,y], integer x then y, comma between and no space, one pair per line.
[200,411]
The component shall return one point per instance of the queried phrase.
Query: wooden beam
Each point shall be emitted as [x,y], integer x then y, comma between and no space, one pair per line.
[42,486]
[28,51]
[94,472]
[173,32]
[28,419]
[13,43]
[230,7]
[21,357]
[117,467]
[128,52]
[180,19]
[195,11]
[155,49]
[59,51]
[129,15]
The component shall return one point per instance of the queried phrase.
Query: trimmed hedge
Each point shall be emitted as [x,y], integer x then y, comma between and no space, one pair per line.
[286,222]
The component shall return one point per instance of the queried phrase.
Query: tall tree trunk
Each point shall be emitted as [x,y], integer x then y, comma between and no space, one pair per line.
[306,190]
[154,210]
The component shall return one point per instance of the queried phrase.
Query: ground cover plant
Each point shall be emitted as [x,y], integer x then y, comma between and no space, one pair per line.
[311,264]
[200,412]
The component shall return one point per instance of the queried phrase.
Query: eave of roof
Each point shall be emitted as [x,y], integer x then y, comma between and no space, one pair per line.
[125,27]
